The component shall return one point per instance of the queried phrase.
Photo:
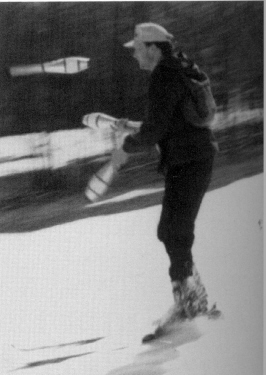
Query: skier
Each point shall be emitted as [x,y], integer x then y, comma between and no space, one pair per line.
[187,150]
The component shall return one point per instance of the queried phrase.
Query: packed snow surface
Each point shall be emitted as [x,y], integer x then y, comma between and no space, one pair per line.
[77,298]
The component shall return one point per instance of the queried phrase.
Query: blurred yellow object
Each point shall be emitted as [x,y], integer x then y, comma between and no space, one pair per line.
[67,65]
[101,121]
[101,181]
[103,178]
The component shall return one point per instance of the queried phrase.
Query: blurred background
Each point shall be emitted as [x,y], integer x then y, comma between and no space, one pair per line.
[46,152]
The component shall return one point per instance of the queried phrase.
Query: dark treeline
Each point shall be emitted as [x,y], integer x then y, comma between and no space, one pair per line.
[225,38]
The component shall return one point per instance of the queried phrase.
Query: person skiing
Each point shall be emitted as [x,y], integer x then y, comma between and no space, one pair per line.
[187,151]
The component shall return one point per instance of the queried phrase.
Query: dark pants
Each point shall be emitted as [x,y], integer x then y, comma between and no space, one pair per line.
[185,186]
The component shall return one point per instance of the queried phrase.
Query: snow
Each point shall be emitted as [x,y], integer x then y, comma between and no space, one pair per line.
[35,151]
[107,277]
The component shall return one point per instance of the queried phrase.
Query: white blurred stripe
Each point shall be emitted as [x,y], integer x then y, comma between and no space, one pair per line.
[68,65]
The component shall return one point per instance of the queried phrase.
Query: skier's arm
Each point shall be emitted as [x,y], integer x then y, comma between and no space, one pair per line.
[163,99]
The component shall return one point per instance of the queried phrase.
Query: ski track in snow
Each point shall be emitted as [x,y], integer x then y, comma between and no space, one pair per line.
[77,298]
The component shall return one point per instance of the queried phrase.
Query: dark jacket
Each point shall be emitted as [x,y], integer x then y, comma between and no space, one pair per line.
[178,140]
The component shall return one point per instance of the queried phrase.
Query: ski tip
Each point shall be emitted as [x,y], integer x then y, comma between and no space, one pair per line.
[148,338]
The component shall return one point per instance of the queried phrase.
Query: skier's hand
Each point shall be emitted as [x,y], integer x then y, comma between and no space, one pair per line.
[120,132]
[119,158]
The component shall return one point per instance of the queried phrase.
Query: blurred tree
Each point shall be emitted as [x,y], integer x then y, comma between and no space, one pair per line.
[225,38]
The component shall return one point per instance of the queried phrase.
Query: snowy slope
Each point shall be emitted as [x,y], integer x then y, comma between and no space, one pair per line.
[81,295]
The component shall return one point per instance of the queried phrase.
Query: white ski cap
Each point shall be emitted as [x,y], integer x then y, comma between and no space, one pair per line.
[149,32]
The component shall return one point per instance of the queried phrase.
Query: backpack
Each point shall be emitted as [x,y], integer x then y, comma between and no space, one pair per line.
[199,106]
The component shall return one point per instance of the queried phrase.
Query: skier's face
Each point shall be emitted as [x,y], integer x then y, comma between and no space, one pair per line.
[143,54]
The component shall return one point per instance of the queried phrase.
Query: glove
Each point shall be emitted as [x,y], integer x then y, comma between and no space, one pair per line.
[121,132]
[119,158]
